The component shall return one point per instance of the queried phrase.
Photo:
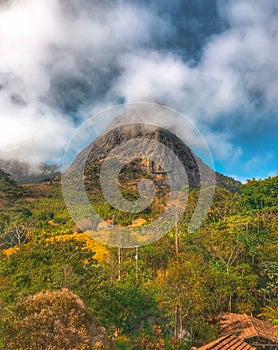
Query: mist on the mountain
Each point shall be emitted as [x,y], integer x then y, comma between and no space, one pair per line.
[23,172]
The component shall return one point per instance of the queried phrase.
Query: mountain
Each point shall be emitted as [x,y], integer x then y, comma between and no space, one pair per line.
[9,189]
[195,168]
[24,173]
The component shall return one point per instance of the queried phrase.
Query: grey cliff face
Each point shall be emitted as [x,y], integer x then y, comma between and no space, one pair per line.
[105,143]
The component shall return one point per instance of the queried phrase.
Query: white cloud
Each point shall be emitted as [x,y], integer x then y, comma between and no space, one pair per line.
[273,173]
[44,46]
[237,75]
[31,135]
[56,54]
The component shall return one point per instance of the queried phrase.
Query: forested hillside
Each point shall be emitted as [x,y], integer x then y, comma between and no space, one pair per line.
[170,299]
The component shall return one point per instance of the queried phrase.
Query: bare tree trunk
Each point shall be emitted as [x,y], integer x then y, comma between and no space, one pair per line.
[180,325]
[176,235]
[119,263]
[178,332]
[136,261]
[176,323]
[230,302]
[17,235]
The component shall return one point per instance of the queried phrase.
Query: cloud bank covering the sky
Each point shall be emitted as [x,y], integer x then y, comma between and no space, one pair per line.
[62,60]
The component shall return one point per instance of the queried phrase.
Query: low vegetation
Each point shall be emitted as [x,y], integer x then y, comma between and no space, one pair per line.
[52,275]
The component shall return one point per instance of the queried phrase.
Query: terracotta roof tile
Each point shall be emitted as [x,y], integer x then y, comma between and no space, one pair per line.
[228,342]
[245,327]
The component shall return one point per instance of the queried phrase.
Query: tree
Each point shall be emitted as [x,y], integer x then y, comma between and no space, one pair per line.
[129,309]
[270,313]
[17,234]
[53,320]
[154,341]
[48,265]
[260,194]
[184,297]
[234,281]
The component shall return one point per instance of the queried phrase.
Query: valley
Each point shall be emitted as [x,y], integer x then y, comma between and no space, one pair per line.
[170,292]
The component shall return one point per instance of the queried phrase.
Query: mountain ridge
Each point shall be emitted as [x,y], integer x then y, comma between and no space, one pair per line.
[100,149]
[25,173]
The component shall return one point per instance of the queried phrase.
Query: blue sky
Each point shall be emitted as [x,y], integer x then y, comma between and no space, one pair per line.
[214,61]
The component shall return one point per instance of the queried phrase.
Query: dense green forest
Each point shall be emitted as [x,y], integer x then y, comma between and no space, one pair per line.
[169,299]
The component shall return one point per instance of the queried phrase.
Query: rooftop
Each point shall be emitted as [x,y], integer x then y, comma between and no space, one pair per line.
[245,327]
[227,342]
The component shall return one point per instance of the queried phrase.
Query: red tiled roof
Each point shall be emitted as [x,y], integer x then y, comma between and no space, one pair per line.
[230,342]
[245,327]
